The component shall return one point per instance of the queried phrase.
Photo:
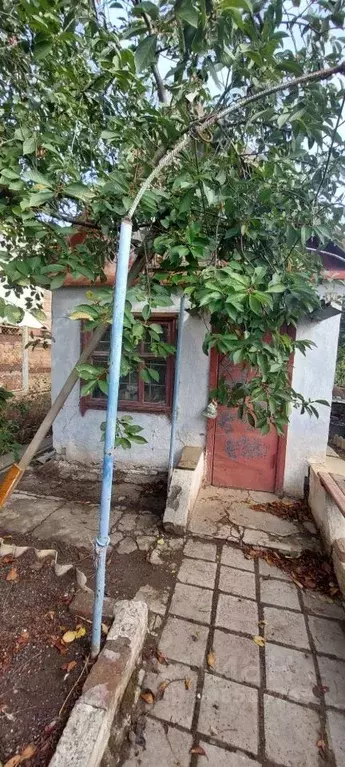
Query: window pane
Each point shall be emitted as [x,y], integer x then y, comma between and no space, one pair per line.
[104,343]
[155,391]
[129,387]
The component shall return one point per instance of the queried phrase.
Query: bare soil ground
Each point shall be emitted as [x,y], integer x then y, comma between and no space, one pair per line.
[41,675]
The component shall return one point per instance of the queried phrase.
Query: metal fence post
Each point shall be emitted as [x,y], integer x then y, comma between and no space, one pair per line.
[102,540]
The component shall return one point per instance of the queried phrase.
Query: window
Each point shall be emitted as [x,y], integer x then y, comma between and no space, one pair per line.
[134,392]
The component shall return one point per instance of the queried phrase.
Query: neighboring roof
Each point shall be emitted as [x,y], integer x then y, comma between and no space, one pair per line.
[332,257]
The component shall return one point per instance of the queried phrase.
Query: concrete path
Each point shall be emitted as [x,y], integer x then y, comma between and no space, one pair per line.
[49,518]
[227,514]
[225,699]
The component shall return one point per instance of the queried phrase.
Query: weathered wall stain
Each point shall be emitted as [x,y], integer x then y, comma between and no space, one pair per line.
[244,447]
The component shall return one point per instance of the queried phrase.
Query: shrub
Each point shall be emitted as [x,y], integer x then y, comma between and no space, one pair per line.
[20,418]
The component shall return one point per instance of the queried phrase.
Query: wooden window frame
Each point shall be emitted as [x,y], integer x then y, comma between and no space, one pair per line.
[100,403]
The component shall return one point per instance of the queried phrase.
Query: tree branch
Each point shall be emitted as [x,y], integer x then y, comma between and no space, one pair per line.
[75,221]
[209,120]
[162,94]
[330,149]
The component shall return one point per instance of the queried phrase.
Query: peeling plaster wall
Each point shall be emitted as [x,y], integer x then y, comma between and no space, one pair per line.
[77,437]
[313,376]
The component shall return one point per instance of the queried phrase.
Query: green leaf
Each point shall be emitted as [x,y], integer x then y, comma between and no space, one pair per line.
[39,314]
[254,304]
[276,288]
[13,314]
[187,12]
[146,312]
[57,281]
[138,440]
[146,7]
[145,53]
[10,174]
[87,388]
[29,145]
[245,4]
[80,314]
[36,199]
[79,192]
[88,371]
[153,374]
[144,375]
[103,386]
[38,178]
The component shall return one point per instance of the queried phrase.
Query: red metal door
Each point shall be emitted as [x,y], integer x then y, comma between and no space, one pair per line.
[242,456]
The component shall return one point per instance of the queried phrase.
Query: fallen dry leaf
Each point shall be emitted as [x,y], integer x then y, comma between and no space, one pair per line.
[59,646]
[50,727]
[148,696]
[260,641]
[198,750]
[12,575]
[321,744]
[69,666]
[187,683]
[70,636]
[50,614]
[7,559]
[211,659]
[105,629]
[28,752]
[161,690]
[14,761]
[161,658]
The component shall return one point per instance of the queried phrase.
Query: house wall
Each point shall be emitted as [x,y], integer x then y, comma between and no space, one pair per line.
[313,376]
[77,437]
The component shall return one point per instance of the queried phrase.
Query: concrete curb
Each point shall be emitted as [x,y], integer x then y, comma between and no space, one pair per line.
[87,731]
[185,484]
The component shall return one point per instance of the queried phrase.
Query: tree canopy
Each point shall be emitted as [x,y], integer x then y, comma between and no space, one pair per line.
[92,97]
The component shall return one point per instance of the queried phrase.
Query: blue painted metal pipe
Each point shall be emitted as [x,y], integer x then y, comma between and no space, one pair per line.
[102,540]
[176,390]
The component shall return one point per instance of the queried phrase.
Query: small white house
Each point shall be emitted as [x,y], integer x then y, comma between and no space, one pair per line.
[236,454]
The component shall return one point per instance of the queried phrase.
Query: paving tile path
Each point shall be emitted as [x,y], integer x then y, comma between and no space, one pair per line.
[277,705]
[243,704]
